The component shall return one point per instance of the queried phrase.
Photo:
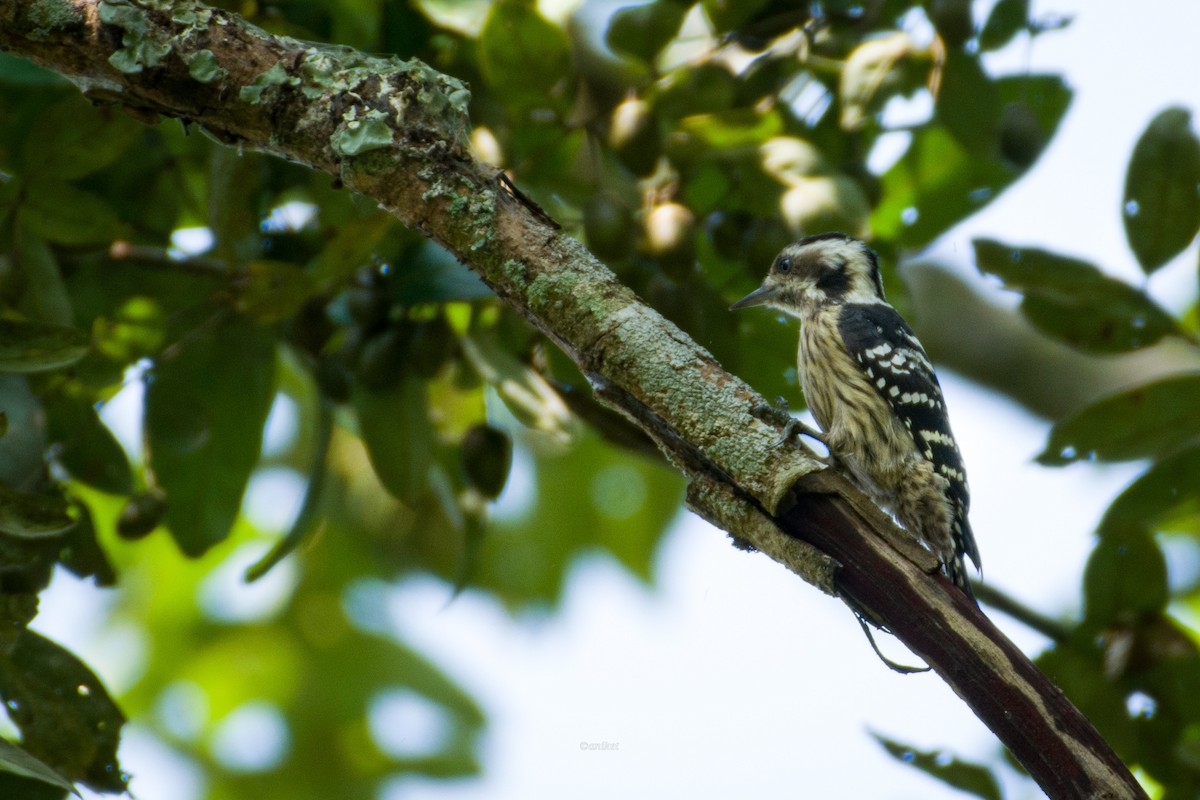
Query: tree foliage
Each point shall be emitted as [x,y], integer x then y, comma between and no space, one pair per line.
[686,143]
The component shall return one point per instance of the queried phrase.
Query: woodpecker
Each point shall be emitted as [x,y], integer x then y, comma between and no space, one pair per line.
[873,391]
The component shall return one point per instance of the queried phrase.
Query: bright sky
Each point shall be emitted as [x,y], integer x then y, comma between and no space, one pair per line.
[732,675]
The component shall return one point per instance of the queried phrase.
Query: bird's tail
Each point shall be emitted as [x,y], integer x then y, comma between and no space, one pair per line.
[964,547]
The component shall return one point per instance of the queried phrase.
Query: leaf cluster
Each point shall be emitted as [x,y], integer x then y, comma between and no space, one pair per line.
[1130,664]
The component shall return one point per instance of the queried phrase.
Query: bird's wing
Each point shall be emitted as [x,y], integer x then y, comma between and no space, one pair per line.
[894,362]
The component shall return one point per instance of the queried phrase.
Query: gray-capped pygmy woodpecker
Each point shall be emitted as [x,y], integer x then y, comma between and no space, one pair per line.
[872,390]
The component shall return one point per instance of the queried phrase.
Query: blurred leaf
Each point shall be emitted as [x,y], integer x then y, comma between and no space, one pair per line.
[1008,18]
[66,717]
[271,291]
[16,761]
[694,89]
[729,15]
[73,138]
[27,789]
[270,666]
[308,519]
[644,30]
[350,249]
[514,38]
[1162,198]
[394,426]
[82,554]
[45,297]
[1126,576]
[235,203]
[1168,491]
[39,346]
[1149,420]
[1074,301]
[872,75]
[16,71]
[937,183]
[974,779]
[1046,96]
[968,104]
[486,458]
[1076,667]
[934,185]
[62,213]
[433,275]
[603,497]
[525,392]
[462,16]
[85,446]
[207,399]
[735,128]
[32,516]
[141,515]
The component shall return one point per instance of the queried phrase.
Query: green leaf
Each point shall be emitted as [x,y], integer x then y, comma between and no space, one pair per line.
[937,183]
[82,554]
[234,194]
[603,497]
[62,213]
[272,291]
[524,391]
[514,39]
[73,138]
[32,516]
[85,446]
[461,16]
[1074,301]
[644,30]
[65,715]
[394,425]
[434,275]
[308,518]
[206,402]
[873,73]
[16,71]
[974,779]
[39,346]
[1126,576]
[1149,420]
[735,128]
[1162,189]
[1008,18]
[45,296]
[934,185]
[1077,668]
[729,15]
[1166,494]
[351,248]
[16,761]
[969,104]
[1047,96]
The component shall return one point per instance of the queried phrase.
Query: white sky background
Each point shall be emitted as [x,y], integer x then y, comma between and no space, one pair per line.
[731,675]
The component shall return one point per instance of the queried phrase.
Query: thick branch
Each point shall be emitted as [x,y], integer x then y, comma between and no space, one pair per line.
[394,131]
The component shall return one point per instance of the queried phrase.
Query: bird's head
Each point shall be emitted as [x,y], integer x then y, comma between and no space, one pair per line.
[818,271]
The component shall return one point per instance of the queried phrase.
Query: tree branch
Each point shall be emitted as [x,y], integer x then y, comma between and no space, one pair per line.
[395,131]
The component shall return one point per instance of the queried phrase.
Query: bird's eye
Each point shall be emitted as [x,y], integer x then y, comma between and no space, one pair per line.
[784,265]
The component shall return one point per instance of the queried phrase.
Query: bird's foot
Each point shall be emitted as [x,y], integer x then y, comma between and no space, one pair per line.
[792,427]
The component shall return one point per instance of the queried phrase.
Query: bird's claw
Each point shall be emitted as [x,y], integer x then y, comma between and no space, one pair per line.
[792,427]
[777,414]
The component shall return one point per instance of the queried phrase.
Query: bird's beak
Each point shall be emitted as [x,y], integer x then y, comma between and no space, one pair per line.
[759,296]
